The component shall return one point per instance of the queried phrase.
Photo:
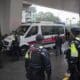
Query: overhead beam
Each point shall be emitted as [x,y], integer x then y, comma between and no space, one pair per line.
[67,5]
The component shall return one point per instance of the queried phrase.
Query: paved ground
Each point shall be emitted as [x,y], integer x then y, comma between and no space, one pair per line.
[16,70]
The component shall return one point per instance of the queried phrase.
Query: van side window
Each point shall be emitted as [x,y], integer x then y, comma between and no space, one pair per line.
[33,31]
[22,29]
[47,30]
[50,30]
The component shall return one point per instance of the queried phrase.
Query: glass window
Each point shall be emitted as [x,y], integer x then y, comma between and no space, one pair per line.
[22,29]
[33,31]
[50,30]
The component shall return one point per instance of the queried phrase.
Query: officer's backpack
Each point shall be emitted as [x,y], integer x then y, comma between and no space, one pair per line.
[34,56]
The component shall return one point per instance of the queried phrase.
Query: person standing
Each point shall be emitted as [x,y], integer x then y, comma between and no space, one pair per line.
[15,49]
[37,61]
[58,44]
[1,45]
[73,56]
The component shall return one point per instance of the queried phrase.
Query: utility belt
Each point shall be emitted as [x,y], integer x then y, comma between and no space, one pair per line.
[74,59]
[36,68]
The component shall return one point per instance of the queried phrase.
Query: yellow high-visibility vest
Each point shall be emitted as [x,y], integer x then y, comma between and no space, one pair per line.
[28,55]
[74,51]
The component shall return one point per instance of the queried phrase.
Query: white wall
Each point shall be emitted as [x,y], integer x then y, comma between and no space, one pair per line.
[4,16]
[10,15]
[15,14]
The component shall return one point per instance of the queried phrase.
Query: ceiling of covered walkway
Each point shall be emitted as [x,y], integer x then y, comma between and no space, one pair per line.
[67,5]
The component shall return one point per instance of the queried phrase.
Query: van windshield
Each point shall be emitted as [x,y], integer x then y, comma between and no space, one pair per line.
[50,30]
[22,29]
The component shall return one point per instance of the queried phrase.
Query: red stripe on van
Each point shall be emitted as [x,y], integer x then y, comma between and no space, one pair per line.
[47,40]
[32,42]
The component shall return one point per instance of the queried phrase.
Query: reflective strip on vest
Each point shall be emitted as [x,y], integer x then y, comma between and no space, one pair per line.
[27,55]
[74,52]
[77,38]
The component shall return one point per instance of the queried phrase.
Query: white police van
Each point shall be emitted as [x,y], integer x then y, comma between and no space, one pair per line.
[28,32]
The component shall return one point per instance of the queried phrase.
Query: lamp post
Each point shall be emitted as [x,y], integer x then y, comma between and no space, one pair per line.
[70,20]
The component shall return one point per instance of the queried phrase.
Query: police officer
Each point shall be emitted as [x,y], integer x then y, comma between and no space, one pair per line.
[58,44]
[15,50]
[1,45]
[37,61]
[73,54]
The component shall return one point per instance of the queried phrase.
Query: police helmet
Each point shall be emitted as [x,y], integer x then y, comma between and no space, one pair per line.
[77,38]
[39,37]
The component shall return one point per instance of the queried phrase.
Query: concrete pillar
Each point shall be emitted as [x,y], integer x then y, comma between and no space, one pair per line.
[10,15]
[4,16]
[15,13]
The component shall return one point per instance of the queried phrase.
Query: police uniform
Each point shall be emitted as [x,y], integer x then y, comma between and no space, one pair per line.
[15,50]
[58,45]
[73,58]
[1,45]
[37,62]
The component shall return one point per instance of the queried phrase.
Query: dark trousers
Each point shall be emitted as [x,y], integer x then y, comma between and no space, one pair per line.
[73,67]
[35,75]
[15,53]
[1,65]
[58,50]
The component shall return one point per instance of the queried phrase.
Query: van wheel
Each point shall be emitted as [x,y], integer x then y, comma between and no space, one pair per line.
[24,49]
